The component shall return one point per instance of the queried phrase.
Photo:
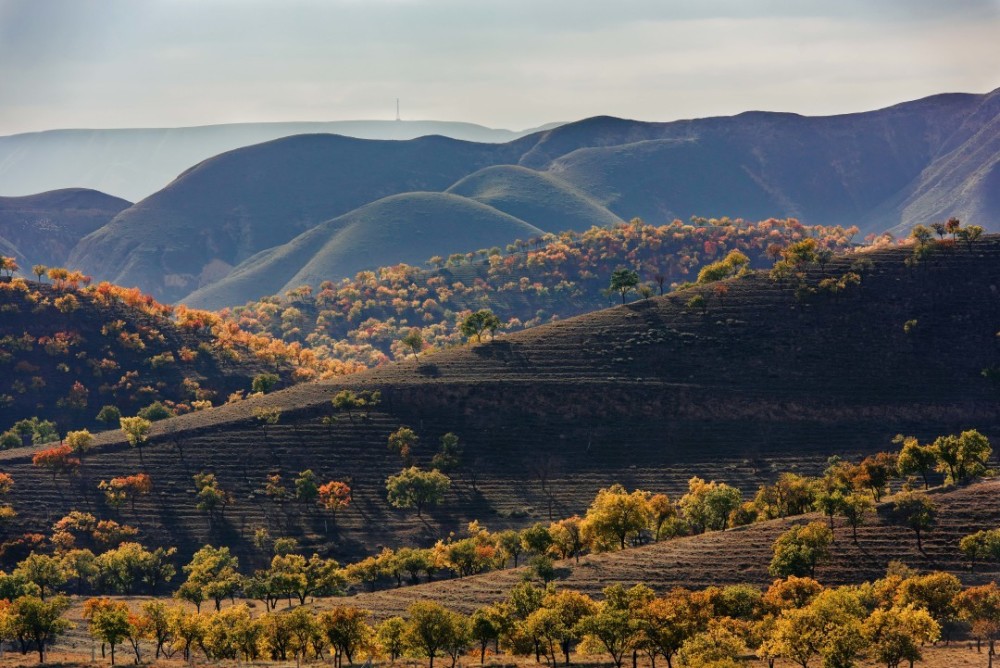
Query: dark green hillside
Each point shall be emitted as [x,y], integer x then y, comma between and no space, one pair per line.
[44,228]
[753,381]
[226,209]
[536,197]
[402,228]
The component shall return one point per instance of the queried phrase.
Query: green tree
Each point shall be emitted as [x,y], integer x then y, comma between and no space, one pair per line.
[981,546]
[390,635]
[854,507]
[915,458]
[49,573]
[624,281]
[414,488]
[479,322]
[798,550]
[264,382]
[429,627]
[962,457]
[136,430]
[215,572]
[306,487]
[917,512]
[109,415]
[413,340]
[40,621]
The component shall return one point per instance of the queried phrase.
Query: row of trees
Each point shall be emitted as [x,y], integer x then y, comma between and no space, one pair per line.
[797,619]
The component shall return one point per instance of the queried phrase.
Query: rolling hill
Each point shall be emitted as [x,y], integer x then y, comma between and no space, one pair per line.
[235,205]
[754,380]
[891,168]
[44,228]
[136,162]
[402,228]
[535,197]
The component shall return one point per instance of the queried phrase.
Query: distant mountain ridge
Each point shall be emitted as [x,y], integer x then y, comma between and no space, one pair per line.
[44,228]
[136,162]
[911,163]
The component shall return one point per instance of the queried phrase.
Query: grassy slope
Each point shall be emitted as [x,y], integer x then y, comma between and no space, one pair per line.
[232,206]
[646,394]
[536,197]
[402,228]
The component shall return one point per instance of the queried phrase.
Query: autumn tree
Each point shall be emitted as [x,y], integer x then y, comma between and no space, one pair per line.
[79,441]
[415,488]
[58,460]
[214,572]
[346,629]
[118,491]
[402,441]
[616,516]
[334,496]
[109,621]
[980,608]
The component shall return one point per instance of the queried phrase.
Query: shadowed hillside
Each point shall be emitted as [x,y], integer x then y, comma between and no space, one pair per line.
[401,228]
[44,228]
[910,163]
[752,382]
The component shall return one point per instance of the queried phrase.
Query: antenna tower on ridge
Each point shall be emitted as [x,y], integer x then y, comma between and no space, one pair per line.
[397,109]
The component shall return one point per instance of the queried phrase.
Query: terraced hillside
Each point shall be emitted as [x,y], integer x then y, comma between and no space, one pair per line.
[735,556]
[647,394]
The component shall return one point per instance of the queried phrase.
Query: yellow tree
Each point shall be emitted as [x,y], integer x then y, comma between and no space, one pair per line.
[617,516]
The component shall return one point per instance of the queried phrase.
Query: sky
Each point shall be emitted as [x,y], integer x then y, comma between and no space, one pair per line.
[512,64]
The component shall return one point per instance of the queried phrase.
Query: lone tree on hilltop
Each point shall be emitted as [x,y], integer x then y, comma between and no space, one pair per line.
[624,281]
[413,340]
[476,324]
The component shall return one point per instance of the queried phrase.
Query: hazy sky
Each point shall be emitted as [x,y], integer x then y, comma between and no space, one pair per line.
[502,63]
